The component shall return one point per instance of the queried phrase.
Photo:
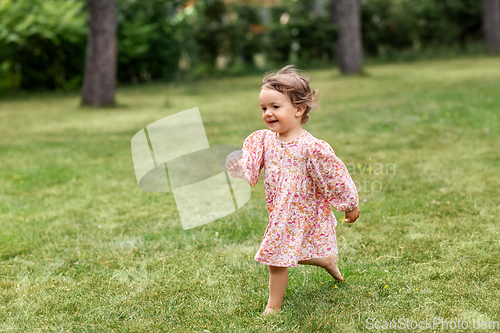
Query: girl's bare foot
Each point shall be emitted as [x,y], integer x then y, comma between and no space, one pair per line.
[328,263]
[269,310]
[333,269]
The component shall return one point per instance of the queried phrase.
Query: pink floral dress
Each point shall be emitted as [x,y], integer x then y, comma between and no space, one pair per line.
[302,179]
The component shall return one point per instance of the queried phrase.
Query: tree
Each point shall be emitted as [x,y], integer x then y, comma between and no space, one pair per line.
[349,48]
[491,24]
[100,61]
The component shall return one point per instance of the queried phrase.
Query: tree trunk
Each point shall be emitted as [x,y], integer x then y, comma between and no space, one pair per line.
[333,19]
[349,46]
[491,24]
[100,61]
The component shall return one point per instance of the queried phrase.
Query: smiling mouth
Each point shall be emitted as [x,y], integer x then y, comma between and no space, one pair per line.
[273,121]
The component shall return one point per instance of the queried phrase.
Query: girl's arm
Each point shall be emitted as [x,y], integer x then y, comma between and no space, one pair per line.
[331,177]
[249,161]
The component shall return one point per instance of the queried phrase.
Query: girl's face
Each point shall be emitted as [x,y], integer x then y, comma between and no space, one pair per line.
[278,112]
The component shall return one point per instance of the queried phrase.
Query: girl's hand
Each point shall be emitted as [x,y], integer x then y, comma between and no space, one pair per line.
[352,216]
[233,164]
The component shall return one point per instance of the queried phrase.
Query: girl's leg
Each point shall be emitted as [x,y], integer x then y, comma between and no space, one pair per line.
[278,280]
[328,263]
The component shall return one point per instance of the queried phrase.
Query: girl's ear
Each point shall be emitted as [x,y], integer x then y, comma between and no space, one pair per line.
[300,110]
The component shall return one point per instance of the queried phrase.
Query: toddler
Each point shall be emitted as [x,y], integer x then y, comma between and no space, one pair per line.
[302,178]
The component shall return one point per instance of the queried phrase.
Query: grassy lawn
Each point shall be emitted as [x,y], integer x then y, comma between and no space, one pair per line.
[83,249]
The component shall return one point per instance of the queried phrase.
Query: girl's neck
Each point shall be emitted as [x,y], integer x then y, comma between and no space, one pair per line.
[290,135]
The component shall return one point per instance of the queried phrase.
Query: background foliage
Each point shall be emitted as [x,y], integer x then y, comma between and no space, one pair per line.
[390,26]
[42,43]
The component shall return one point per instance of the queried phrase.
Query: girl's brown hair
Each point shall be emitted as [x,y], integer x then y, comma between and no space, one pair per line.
[295,85]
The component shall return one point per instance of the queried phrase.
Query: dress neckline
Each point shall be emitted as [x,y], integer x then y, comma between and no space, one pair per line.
[290,142]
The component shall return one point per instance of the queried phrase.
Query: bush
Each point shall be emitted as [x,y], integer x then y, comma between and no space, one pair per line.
[148,47]
[390,26]
[41,43]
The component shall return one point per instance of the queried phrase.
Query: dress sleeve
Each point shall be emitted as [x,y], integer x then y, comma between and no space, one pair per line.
[331,178]
[251,157]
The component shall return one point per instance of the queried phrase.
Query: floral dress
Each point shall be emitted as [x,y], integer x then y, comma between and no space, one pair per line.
[302,178]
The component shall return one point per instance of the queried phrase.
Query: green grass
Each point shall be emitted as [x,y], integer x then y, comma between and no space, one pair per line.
[83,249]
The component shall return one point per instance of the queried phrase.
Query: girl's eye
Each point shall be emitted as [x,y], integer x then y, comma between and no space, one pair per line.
[276,106]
